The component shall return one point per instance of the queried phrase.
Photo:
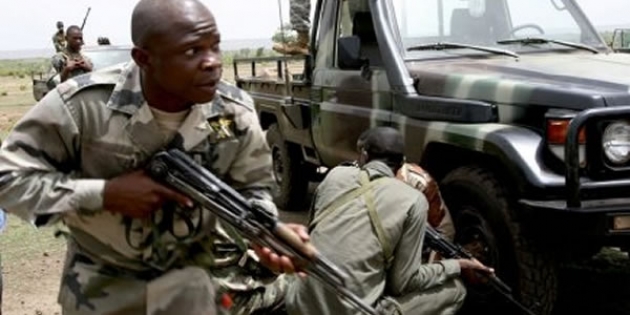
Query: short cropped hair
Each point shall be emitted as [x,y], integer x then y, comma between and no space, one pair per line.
[385,144]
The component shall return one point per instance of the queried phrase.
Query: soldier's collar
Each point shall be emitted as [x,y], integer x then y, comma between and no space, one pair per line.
[127,95]
[377,169]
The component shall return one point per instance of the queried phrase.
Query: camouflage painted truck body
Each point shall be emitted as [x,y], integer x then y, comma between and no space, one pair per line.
[519,133]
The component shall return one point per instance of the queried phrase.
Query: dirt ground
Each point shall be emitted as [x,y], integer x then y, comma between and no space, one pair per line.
[32,259]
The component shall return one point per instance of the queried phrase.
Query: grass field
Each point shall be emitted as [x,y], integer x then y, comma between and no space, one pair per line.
[31,258]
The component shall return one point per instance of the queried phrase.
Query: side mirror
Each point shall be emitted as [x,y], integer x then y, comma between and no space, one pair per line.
[349,53]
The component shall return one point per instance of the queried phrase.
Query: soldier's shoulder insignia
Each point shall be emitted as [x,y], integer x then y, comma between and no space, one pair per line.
[223,127]
[105,77]
[233,93]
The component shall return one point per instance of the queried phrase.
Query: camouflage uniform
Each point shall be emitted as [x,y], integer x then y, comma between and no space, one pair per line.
[377,238]
[60,60]
[59,41]
[300,12]
[94,127]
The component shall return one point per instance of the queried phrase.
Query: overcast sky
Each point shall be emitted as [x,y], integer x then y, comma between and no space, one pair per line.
[29,24]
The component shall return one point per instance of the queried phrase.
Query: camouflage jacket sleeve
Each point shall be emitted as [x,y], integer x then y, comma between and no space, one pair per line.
[406,274]
[87,60]
[251,171]
[58,62]
[37,163]
[57,43]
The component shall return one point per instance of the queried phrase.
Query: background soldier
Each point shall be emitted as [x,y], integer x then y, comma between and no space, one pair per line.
[70,62]
[59,38]
[300,11]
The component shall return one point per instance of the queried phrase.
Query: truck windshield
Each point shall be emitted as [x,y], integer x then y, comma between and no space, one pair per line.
[490,24]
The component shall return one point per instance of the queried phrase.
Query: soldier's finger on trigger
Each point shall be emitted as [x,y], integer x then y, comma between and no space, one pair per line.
[170,194]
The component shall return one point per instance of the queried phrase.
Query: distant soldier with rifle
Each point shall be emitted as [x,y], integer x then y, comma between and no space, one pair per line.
[59,38]
[137,246]
[372,225]
[70,62]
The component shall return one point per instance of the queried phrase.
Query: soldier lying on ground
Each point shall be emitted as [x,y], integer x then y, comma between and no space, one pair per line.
[77,157]
[373,226]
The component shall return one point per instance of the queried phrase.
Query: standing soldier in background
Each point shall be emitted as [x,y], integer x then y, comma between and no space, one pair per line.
[301,23]
[70,61]
[59,38]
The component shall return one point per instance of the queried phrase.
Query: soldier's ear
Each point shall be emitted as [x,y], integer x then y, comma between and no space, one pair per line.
[365,156]
[141,57]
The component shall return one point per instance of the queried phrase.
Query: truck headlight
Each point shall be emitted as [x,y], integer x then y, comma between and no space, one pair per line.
[616,142]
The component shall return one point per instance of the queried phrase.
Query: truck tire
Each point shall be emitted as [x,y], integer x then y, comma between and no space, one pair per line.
[487,227]
[292,174]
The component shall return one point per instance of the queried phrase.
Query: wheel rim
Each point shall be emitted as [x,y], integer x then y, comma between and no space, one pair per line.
[278,168]
[476,236]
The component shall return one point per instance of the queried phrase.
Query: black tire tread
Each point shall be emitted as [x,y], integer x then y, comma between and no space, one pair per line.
[292,194]
[538,280]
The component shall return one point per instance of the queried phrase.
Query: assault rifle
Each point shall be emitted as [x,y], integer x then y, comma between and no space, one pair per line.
[449,250]
[85,18]
[177,170]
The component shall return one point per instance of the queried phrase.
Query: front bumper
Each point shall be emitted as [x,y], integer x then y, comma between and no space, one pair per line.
[605,221]
[591,209]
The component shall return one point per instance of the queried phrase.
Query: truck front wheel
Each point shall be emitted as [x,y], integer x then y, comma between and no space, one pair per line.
[292,174]
[486,226]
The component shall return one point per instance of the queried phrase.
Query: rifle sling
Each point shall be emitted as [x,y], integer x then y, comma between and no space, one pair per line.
[364,190]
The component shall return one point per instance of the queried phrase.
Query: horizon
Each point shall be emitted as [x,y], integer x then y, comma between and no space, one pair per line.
[243,23]
[47,52]
[227,45]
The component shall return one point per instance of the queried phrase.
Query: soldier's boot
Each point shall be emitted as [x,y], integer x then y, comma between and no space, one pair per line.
[298,47]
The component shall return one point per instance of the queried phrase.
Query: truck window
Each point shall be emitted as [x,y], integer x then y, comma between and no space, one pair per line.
[484,22]
[355,19]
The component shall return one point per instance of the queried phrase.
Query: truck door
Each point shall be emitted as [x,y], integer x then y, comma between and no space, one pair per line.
[349,101]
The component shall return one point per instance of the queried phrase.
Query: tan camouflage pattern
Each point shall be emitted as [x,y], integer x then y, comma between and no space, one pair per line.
[97,126]
[347,238]
[300,15]
[60,60]
[59,41]
[439,217]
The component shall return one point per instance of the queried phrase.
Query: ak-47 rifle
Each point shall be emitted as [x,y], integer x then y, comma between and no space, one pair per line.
[85,18]
[449,250]
[177,170]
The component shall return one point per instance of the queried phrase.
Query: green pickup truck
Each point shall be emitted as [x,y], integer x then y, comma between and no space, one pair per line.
[620,41]
[518,108]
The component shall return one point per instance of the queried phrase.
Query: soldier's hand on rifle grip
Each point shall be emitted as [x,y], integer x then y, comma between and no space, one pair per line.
[138,196]
[470,269]
[279,263]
